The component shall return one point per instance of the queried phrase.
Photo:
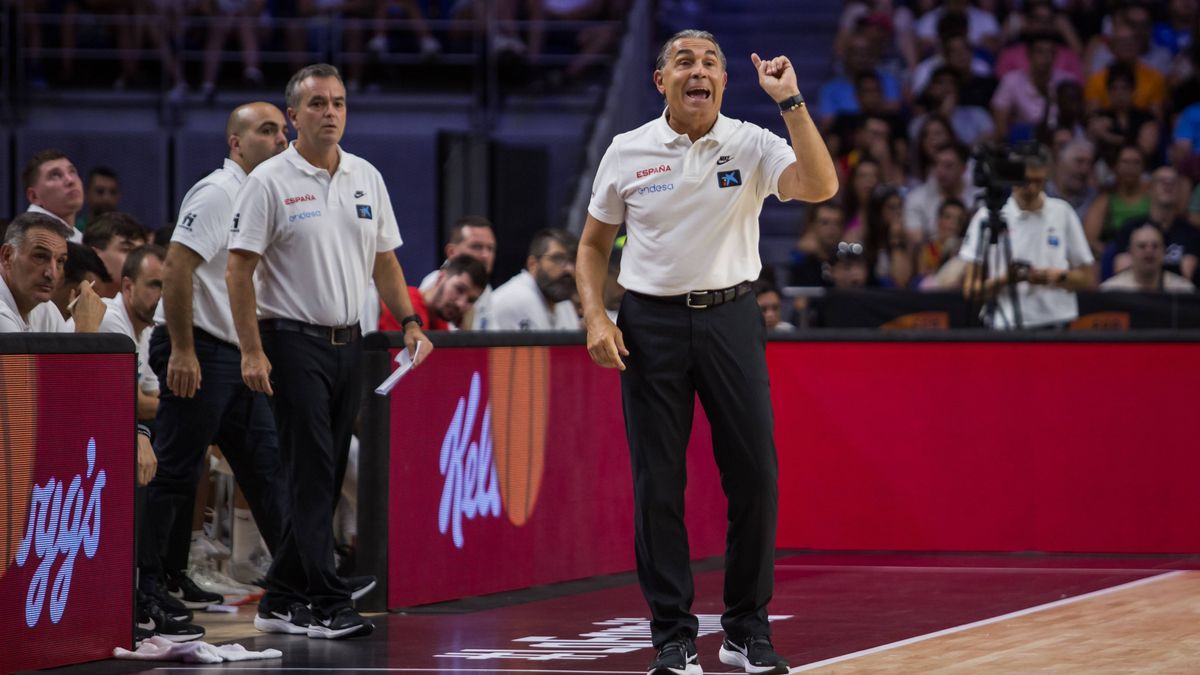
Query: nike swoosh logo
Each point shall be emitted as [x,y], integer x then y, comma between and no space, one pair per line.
[284,617]
[149,625]
[723,160]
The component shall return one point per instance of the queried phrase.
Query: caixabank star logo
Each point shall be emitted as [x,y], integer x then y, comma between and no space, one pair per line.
[498,464]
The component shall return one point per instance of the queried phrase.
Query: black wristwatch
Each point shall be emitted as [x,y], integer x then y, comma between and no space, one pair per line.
[791,103]
[410,318]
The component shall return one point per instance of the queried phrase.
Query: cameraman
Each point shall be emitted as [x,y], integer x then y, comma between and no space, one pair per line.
[1050,254]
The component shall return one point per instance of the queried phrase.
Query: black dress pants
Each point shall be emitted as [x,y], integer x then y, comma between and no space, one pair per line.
[317,387]
[718,353]
[223,411]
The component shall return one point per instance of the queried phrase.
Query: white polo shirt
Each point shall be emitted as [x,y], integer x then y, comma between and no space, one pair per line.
[116,320]
[76,235]
[1050,238]
[45,318]
[203,227]
[482,317]
[317,234]
[11,320]
[519,305]
[690,209]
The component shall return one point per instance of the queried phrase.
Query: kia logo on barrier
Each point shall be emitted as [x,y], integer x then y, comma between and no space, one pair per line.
[59,525]
[505,465]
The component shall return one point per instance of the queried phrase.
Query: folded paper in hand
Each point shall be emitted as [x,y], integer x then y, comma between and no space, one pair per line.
[405,363]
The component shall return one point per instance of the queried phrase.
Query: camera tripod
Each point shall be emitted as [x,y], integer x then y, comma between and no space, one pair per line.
[983,308]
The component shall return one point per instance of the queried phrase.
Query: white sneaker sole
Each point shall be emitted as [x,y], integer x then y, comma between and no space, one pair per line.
[363,591]
[736,658]
[278,626]
[319,632]
[691,669]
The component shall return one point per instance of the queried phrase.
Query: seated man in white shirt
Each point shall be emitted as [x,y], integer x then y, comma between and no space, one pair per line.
[83,266]
[53,188]
[1046,235]
[32,256]
[539,297]
[131,313]
[473,236]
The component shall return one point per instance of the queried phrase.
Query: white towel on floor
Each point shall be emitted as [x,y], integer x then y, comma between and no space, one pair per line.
[161,649]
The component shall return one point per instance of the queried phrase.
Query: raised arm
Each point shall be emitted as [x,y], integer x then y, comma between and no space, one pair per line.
[812,178]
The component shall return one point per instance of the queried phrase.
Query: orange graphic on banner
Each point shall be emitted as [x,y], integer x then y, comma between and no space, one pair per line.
[18,436]
[518,390]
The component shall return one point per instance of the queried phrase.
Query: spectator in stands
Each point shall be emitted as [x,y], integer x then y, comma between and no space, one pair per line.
[1128,198]
[52,188]
[242,15]
[1150,86]
[473,236]
[1043,232]
[1119,123]
[1145,273]
[1025,98]
[947,179]
[1134,18]
[112,236]
[83,265]
[1176,31]
[972,124]
[848,268]
[442,306]
[1071,121]
[885,241]
[933,133]
[871,105]
[428,45]
[808,263]
[32,257]
[943,247]
[983,32]
[864,178]
[875,139]
[975,88]
[1180,241]
[539,297]
[1073,179]
[587,43]
[320,13]
[117,16]
[836,96]
[131,313]
[1041,16]
[895,21]
[953,48]
[103,194]
[771,303]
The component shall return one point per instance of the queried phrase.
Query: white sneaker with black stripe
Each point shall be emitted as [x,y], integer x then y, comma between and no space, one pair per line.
[295,621]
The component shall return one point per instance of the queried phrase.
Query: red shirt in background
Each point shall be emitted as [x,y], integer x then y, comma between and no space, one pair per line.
[389,322]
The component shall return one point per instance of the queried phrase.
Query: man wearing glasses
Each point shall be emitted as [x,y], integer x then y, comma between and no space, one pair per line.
[539,297]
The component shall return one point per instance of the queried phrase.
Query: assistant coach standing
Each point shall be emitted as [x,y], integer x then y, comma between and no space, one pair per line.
[320,222]
[689,187]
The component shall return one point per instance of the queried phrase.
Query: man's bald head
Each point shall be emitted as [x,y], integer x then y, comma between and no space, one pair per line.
[255,133]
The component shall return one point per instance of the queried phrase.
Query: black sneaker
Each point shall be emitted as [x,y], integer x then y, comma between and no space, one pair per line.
[181,587]
[295,621]
[754,655]
[153,618]
[343,623]
[677,657]
[172,606]
[359,586]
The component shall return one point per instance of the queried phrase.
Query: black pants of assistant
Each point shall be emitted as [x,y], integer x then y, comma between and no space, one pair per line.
[317,387]
[719,353]
[223,411]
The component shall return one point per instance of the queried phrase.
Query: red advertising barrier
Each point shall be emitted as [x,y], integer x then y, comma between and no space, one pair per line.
[1038,446]
[509,468]
[66,508]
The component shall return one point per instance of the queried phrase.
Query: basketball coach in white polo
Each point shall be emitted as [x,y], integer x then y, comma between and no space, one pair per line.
[319,222]
[689,187]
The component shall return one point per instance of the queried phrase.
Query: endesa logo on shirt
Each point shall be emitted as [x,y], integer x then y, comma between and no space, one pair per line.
[296,200]
[661,168]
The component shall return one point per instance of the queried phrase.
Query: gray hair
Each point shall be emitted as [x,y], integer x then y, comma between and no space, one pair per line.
[292,96]
[1075,145]
[15,234]
[665,52]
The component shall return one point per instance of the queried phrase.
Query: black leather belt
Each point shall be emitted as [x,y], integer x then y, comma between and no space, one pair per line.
[336,335]
[703,299]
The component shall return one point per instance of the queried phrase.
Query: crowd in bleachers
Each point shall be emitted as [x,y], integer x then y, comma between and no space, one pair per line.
[1110,88]
[263,37]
